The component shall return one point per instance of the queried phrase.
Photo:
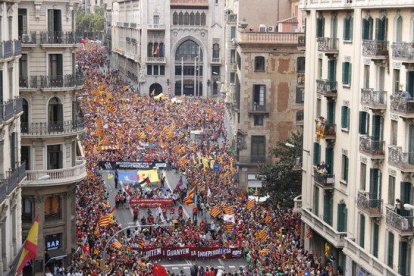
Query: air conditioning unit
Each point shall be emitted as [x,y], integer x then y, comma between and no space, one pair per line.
[26,38]
[270,29]
[262,28]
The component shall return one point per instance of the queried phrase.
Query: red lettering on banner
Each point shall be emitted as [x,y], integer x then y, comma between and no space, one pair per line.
[151,202]
[192,253]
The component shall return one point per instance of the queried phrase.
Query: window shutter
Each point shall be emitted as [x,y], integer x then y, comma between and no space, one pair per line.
[390,258]
[362,122]
[349,73]
[351,23]
[375,241]
[362,231]
[316,153]
[323,27]
[345,36]
[343,116]
[340,222]
[378,29]
[344,73]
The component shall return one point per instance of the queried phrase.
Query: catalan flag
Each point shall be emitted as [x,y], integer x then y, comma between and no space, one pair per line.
[261,235]
[215,211]
[111,108]
[189,199]
[264,251]
[268,218]
[229,227]
[29,250]
[116,244]
[228,210]
[250,204]
[309,234]
[107,219]
[140,243]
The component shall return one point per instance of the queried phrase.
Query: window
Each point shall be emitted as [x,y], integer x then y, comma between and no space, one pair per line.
[300,95]
[318,107]
[232,56]
[394,133]
[55,109]
[156,19]
[375,239]
[320,67]
[25,156]
[348,32]
[316,200]
[345,166]
[258,148]
[299,116]
[361,230]
[391,190]
[215,71]
[10,24]
[342,217]
[232,77]
[346,73]
[186,19]
[259,64]
[363,122]
[155,70]
[390,251]
[175,18]
[233,32]
[316,153]
[22,24]
[327,207]
[396,80]
[363,177]
[203,19]
[162,70]
[381,28]
[320,27]
[367,28]
[53,207]
[149,70]
[27,209]
[56,69]
[345,111]
[398,29]
[54,157]
[300,65]
[216,50]
[258,120]
[259,97]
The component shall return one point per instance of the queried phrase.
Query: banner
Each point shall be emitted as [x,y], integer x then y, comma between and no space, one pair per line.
[151,202]
[192,253]
[139,165]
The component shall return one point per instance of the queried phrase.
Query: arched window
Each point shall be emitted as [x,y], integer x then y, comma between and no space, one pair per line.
[181,19]
[55,111]
[192,19]
[155,89]
[175,18]
[162,50]
[186,18]
[398,29]
[24,119]
[367,28]
[381,28]
[155,50]
[259,64]
[348,28]
[197,19]
[149,49]
[203,19]
[188,50]
[334,26]
[216,50]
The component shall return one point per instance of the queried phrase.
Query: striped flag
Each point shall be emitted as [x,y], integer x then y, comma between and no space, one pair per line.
[189,199]
[264,251]
[116,244]
[140,243]
[250,204]
[268,218]
[261,235]
[228,210]
[111,108]
[215,211]
[29,250]
[229,227]
[107,219]
[309,234]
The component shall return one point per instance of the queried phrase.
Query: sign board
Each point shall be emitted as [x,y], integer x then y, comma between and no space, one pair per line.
[216,168]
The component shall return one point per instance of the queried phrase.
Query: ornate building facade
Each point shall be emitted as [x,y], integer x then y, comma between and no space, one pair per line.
[50,126]
[173,47]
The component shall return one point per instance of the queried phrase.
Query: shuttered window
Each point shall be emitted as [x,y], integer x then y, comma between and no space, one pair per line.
[361,230]
[390,253]
[375,237]
[348,28]
[345,117]
[342,217]
[346,73]
[316,153]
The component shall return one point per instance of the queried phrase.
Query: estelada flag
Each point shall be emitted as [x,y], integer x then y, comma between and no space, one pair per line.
[107,218]
[29,251]
[250,204]
[116,244]
[189,199]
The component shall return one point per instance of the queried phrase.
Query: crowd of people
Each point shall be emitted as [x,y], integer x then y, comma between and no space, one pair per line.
[117,117]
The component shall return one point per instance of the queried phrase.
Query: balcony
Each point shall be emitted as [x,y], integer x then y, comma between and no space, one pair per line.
[403,105]
[11,180]
[373,148]
[57,38]
[156,27]
[364,259]
[47,82]
[375,100]
[156,60]
[8,110]
[402,224]
[65,128]
[215,60]
[376,49]
[261,38]
[403,51]
[325,130]
[8,48]
[297,204]
[328,45]
[29,39]
[322,228]
[326,88]
[251,160]
[256,109]
[58,176]
[189,3]
[323,179]
[372,207]
[401,160]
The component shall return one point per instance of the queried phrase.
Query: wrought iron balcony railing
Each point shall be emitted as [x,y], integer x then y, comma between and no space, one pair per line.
[17,47]
[29,38]
[403,51]
[8,110]
[371,146]
[374,99]
[8,48]
[323,179]
[402,104]
[57,38]
[402,224]
[374,48]
[326,88]
[373,207]
[51,128]
[10,180]
[402,160]
[259,109]
[328,45]
[36,82]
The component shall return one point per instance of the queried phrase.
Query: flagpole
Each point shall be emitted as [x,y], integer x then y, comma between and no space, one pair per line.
[182,75]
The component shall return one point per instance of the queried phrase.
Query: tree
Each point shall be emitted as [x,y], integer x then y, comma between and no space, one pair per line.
[88,22]
[283,178]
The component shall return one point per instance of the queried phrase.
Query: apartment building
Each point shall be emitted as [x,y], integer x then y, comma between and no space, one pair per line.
[171,47]
[50,127]
[358,135]
[12,172]
[264,80]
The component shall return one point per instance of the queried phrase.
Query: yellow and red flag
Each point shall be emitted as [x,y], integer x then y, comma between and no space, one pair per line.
[189,199]
[228,210]
[116,244]
[264,251]
[29,251]
[250,204]
[215,211]
[107,218]
[268,218]
[261,235]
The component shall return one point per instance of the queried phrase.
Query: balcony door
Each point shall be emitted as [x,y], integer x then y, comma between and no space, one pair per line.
[377,128]
[54,157]
[22,23]
[375,184]
[332,70]
[327,207]
[55,112]
[329,159]
[25,156]
[56,69]
[406,196]
[381,25]
[367,27]
[411,144]
[54,25]
[330,112]
[259,97]
[404,258]
[410,83]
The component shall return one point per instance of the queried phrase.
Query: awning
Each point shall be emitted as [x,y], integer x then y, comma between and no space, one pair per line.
[56,254]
